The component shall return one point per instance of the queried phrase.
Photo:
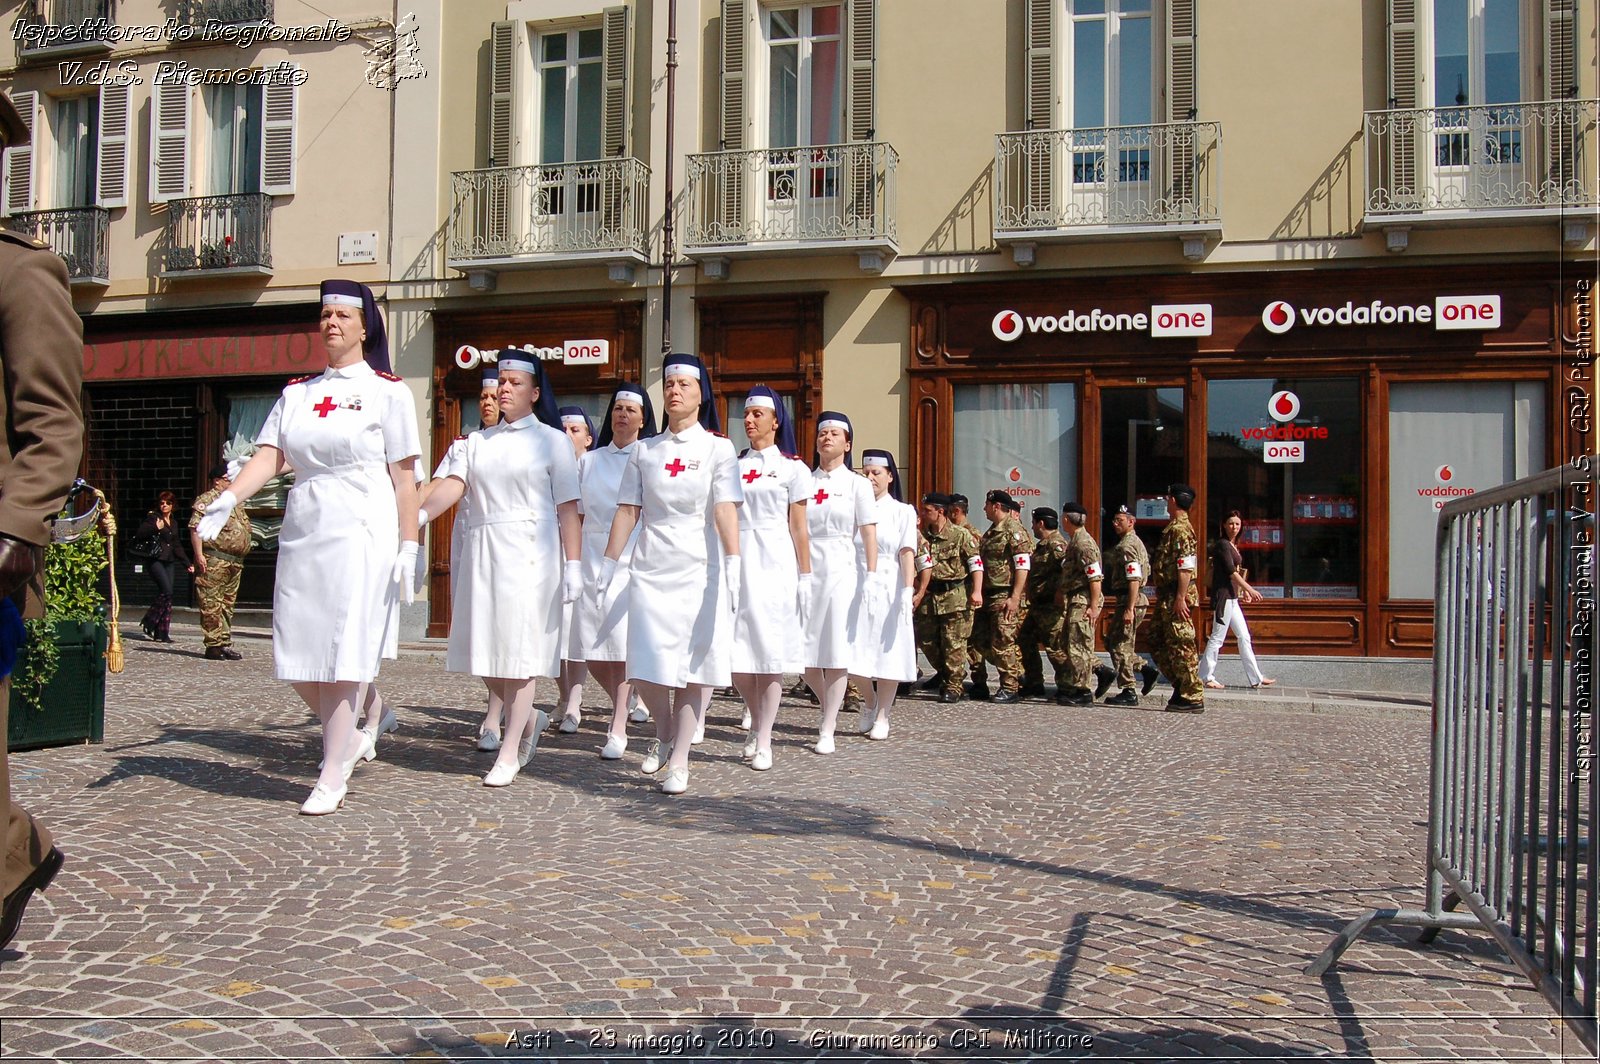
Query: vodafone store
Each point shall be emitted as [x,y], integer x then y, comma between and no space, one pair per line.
[1336,409]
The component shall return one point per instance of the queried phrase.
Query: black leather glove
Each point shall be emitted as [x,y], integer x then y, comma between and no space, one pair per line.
[16,564]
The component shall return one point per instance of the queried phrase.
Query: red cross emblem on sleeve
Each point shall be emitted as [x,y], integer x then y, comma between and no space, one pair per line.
[820,497]
[752,476]
[674,467]
[325,407]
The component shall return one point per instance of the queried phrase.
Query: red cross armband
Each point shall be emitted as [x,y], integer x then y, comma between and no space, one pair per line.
[1022,562]
[1093,571]
[975,564]
[1186,564]
[924,562]
[1132,571]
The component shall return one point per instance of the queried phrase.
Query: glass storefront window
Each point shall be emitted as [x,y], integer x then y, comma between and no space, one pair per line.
[247,412]
[1141,452]
[1448,439]
[1286,453]
[1020,437]
[733,427]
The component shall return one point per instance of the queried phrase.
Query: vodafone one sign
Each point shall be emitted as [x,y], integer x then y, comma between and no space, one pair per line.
[1171,319]
[1447,312]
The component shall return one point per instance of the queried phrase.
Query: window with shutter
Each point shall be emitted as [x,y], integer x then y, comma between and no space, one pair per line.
[860,106]
[614,113]
[1110,56]
[1039,109]
[727,196]
[1400,166]
[1561,83]
[496,200]
[279,116]
[169,143]
[18,191]
[1181,103]
[112,166]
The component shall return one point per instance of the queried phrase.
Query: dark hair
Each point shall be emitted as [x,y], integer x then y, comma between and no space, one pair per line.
[1230,515]
[1046,517]
[166,496]
[219,471]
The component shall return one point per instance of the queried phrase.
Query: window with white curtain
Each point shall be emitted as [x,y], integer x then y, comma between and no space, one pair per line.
[1022,438]
[1111,82]
[76,119]
[235,137]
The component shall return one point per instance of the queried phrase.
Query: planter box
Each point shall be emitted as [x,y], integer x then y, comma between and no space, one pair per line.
[74,702]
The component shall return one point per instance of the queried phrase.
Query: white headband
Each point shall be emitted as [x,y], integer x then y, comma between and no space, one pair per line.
[574,419]
[680,369]
[517,362]
[489,382]
[764,401]
[341,299]
[832,424]
[628,397]
[873,459]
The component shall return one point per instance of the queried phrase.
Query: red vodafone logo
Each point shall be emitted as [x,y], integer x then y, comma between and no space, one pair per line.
[1444,474]
[1283,406]
[1015,475]
[1278,317]
[1007,325]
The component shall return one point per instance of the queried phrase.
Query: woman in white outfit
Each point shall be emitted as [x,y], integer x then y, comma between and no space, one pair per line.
[683,486]
[575,423]
[887,651]
[519,558]
[601,636]
[1229,592]
[845,595]
[775,553]
[348,546]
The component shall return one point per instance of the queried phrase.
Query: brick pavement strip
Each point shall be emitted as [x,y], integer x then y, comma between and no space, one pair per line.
[986,883]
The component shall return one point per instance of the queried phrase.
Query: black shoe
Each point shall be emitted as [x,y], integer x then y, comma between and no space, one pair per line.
[1125,697]
[1031,690]
[1179,704]
[215,654]
[948,696]
[904,689]
[1149,673]
[979,692]
[1105,678]
[1075,696]
[932,683]
[163,638]
[17,900]
[231,654]
[1003,697]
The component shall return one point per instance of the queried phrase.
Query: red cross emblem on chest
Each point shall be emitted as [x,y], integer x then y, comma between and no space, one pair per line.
[674,467]
[752,476]
[326,407]
[820,497]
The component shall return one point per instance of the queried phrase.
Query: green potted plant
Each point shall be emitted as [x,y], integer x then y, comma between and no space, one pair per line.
[58,691]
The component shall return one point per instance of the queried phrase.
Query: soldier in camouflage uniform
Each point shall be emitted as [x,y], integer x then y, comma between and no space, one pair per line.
[1007,552]
[1041,628]
[1172,619]
[1127,571]
[1081,579]
[217,568]
[956,579]
[975,667]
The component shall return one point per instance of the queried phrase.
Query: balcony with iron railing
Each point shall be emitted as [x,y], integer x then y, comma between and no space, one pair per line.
[46,29]
[1159,180]
[215,236]
[77,234]
[562,214]
[822,198]
[1494,164]
[198,13]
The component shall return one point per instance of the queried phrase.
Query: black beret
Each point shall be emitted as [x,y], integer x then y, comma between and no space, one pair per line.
[936,498]
[1045,516]
[960,500]
[996,497]
[1123,508]
[1183,493]
[1074,508]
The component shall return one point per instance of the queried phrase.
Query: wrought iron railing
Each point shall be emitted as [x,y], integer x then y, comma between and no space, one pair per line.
[827,193]
[219,233]
[48,24]
[1157,175]
[1500,157]
[200,12]
[77,234]
[576,209]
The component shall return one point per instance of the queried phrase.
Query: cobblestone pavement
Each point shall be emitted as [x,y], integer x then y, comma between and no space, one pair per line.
[991,881]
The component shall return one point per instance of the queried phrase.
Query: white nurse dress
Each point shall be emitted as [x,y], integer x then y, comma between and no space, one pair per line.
[840,502]
[888,650]
[765,625]
[600,631]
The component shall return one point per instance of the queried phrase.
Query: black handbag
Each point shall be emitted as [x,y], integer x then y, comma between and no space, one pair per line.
[146,546]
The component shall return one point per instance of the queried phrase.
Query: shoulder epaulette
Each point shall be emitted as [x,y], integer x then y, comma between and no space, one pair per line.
[791,457]
[719,435]
[461,437]
[308,377]
[24,240]
[744,454]
[388,376]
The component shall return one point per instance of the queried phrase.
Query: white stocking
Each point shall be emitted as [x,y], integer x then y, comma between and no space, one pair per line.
[496,711]
[828,684]
[518,698]
[663,711]
[762,693]
[573,673]
[371,706]
[690,711]
[612,678]
[337,708]
[886,691]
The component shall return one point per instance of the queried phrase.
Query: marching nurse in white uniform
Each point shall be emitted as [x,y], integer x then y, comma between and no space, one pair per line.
[683,486]
[844,598]
[886,652]
[512,580]
[575,423]
[348,546]
[600,635]
[774,545]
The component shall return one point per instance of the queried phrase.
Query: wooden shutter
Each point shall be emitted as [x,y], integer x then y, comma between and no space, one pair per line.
[1561,83]
[502,98]
[1037,169]
[1403,135]
[860,98]
[18,191]
[726,196]
[279,115]
[1181,103]
[111,168]
[614,104]
[169,143]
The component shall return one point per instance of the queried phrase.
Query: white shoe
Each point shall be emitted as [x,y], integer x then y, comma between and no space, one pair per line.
[749,750]
[323,801]
[530,741]
[824,744]
[388,722]
[615,746]
[880,730]
[869,718]
[676,781]
[501,775]
[699,734]
[636,711]
[488,741]
[568,725]
[366,752]
[761,760]
[745,721]
[655,757]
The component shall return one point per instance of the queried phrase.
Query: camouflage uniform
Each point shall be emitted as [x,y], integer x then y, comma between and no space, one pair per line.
[980,674]
[1126,561]
[994,633]
[944,618]
[1079,569]
[1042,626]
[218,586]
[1172,639]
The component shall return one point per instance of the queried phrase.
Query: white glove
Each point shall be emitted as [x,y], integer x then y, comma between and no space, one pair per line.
[404,571]
[422,517]
[216,515]
[906,607]
[422,568]
[608,572]
[732,569]
[571,581]
[802,597]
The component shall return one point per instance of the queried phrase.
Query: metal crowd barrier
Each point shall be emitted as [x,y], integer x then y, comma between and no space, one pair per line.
[1512,795]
